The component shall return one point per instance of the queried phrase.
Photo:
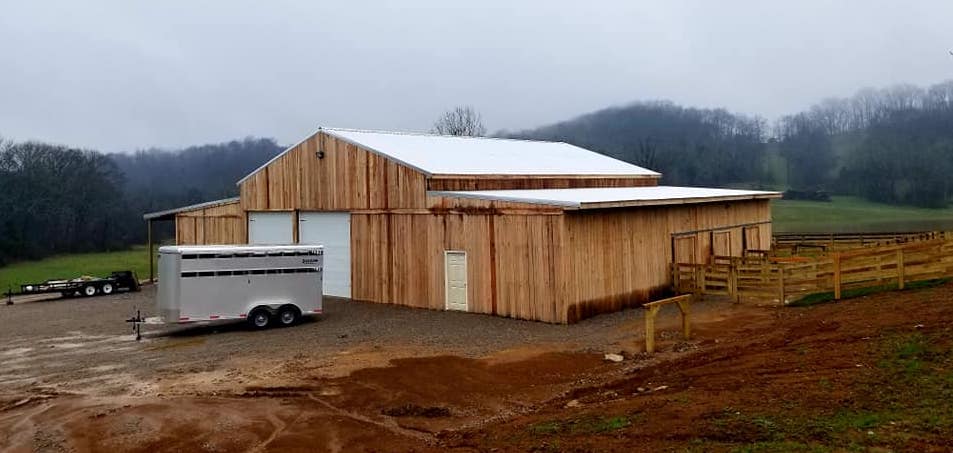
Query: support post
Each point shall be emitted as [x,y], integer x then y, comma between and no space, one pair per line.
[650,328]
[900,269]
[149,240]
[837,276]
[683,306]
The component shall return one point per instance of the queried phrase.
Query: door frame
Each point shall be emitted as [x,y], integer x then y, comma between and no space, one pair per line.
[446,280]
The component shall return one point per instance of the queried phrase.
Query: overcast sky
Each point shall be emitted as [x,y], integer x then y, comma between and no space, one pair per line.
[121,75]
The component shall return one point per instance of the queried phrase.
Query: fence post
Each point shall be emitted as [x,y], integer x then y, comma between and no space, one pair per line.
[837,276]
[781,283]
[733,281]
[700,290]
[900,270]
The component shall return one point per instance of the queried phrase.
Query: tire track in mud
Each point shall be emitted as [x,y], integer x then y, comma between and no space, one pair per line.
[389,425]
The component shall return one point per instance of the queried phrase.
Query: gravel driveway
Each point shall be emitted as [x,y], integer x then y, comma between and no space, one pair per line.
[84,346]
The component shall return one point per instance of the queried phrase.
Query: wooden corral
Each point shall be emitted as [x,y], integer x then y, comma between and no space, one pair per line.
[784,279]
[528,260]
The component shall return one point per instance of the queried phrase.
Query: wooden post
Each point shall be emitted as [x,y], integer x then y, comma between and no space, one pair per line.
[651,311]
[686,325]
[650,328]
[701,281]
[900,270]
[837,276]
[781,283]
[149,241]
[733,280]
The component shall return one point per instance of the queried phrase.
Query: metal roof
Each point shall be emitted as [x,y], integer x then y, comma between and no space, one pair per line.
[158,215]
[454,155]
[593,198]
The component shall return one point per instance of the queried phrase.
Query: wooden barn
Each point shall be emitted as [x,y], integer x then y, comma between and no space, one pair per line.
[526,229]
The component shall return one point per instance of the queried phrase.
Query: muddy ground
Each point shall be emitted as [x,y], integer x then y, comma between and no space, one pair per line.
[368,377]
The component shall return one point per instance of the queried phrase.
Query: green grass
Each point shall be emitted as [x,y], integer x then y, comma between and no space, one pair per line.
[852,214]
[71,266]
[905,401]
[828,296]
[585,425]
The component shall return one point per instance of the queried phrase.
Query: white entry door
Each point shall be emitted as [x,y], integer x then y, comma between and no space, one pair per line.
[333,231]
[456,275]
[270,228]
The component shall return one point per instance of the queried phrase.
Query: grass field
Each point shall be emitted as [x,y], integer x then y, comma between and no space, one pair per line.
[855,215]
[70,266]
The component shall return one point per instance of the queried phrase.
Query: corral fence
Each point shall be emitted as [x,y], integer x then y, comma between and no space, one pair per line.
[797,243]
[784,279]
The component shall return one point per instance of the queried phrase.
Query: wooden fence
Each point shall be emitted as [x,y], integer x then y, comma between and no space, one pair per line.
[784,280]
[795,243]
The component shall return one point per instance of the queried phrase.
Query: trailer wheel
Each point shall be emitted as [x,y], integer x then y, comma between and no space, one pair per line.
[259,318]
[67,294]
[107,288]
[289,315]
[89,290]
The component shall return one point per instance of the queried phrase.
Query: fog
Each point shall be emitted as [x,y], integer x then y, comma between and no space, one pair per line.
[120,76]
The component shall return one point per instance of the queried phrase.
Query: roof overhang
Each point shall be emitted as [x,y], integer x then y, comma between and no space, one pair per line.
[169,214]
[608,198]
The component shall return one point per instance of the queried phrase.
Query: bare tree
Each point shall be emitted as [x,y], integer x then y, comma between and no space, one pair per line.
[462,120]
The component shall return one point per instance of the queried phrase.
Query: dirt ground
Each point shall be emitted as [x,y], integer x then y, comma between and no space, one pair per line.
[369,377]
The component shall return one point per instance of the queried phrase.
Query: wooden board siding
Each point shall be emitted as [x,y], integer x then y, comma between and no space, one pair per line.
[512,261]
[347,178]
[224,224]
[621,258]
[461,182]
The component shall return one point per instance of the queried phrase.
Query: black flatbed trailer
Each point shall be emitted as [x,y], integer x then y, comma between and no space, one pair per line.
[82,286]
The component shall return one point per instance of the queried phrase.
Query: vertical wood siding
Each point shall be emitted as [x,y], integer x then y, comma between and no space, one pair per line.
[512,261]
[347,178]
[621,258]
[224,224]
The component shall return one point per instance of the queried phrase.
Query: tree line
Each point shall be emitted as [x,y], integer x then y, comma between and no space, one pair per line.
[892,145]
[56,199]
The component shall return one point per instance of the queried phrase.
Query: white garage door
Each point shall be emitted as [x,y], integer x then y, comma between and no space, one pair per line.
[333,231]
[270,228]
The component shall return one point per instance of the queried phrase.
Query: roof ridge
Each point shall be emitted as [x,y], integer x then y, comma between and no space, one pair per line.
[431,134]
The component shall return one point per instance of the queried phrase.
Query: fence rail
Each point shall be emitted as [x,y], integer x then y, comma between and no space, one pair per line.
[796,243]
[787,279]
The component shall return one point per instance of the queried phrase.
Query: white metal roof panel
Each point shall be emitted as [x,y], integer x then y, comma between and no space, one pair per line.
[590,198]
[451,155]
[207,204]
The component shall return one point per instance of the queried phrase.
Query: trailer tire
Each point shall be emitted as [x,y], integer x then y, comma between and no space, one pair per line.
[288,315]
[259,318]
[107,288]
[89,290]
[67,294]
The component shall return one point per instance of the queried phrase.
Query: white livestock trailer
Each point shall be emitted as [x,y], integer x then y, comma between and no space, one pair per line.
[263,285]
